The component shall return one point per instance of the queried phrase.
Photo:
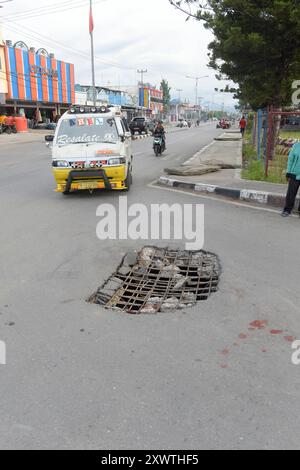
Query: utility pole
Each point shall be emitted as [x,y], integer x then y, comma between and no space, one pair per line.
[179,102]
[92,53]
[197,82]
[179,97]
[142,72]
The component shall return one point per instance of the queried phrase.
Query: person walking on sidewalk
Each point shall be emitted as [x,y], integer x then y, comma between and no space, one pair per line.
[293,176]
[243,125]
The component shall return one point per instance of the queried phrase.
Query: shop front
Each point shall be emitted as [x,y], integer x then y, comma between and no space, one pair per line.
[152,99]
[39,87]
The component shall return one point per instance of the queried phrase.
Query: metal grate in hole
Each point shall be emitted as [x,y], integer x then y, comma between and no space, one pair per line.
[160,280]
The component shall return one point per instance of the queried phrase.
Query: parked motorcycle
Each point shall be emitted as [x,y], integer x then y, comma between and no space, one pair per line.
[8,129]
[158,145]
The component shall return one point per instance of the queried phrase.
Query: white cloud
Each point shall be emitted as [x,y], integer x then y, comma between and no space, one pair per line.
[132,34]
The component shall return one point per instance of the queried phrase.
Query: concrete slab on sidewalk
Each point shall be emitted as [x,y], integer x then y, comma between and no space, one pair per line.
[226,182]
[228,152]
[229,136]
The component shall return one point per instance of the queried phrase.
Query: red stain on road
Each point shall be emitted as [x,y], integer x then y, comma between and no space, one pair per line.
[259,324]
[256,326]
[290,339]
[243,336]
[225,352]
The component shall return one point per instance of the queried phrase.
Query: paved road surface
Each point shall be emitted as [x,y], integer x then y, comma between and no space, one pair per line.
[82,377]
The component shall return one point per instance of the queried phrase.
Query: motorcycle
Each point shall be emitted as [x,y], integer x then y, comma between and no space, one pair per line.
[8,129]
[158,145]
[223,125]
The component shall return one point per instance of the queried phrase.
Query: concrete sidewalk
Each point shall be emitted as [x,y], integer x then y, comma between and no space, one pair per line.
[226,153]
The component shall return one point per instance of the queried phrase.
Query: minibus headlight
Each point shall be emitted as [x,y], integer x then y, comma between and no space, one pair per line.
[116,161]
[61,164]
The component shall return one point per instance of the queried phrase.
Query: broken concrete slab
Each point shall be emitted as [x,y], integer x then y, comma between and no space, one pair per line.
[170,304]
[221,164]
[192,170]
[229,137]
[130,259]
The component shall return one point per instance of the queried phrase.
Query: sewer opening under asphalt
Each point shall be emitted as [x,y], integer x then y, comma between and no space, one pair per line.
[160,280]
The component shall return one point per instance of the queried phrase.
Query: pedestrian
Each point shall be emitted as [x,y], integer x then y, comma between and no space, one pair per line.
[293,176]
[243,125]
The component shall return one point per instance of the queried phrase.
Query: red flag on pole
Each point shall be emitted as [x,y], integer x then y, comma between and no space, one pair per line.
[91,20]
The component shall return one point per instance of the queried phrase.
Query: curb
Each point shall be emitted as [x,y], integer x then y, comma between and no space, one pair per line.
[248,195]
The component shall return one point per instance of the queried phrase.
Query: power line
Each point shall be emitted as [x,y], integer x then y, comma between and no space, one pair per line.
[33,35]
[35,10]
[49,10]
[15,76]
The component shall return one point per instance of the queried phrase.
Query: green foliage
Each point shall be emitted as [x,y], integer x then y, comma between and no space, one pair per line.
[166,89]
[256,45]
[254,169]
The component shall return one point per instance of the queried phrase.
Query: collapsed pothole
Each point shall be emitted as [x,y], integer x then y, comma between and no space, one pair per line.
[160,280]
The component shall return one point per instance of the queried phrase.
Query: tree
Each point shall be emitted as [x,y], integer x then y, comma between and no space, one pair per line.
[256,45]
[166,89]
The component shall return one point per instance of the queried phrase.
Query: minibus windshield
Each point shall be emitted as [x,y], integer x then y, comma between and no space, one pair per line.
[87,130]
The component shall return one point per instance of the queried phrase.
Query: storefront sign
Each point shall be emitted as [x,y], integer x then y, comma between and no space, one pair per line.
[43,71]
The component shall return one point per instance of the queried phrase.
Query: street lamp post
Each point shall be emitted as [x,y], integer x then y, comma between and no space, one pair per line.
[197,82]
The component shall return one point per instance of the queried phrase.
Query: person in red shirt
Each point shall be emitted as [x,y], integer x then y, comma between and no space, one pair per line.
[243,125]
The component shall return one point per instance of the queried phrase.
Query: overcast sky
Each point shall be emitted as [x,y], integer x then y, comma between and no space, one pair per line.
[129,34]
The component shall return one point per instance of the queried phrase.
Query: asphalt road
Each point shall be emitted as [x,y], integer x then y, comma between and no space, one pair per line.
[81,377]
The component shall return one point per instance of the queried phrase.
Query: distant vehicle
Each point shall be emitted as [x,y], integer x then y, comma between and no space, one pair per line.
[140,125]
[224,124]
[182,123]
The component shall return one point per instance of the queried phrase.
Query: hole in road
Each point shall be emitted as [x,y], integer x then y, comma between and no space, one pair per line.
[160,280]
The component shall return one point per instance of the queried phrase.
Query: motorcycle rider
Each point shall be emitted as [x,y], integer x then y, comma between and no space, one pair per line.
[159,131]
